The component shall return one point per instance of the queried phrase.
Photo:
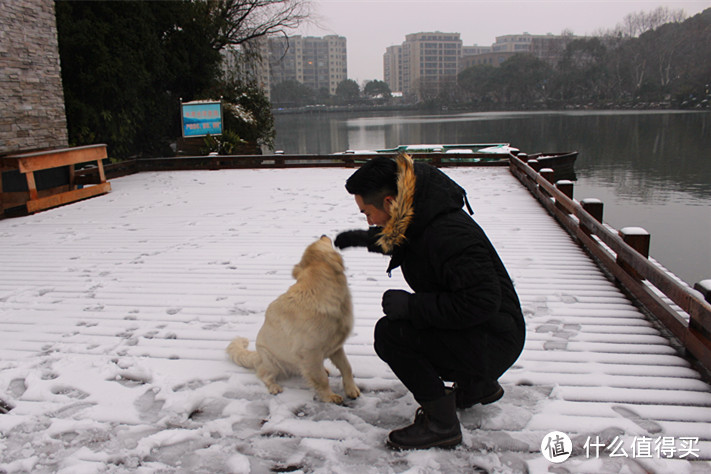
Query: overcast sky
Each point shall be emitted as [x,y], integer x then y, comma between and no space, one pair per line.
[370,26]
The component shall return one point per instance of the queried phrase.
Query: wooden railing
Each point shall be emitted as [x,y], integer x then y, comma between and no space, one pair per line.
[624,255]
[215,162]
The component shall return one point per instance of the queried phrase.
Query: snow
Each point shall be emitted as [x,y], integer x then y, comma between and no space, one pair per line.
[115,313]
[634,231]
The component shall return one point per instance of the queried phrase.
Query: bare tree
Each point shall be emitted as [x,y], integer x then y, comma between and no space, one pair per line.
[635,24]
[239,21]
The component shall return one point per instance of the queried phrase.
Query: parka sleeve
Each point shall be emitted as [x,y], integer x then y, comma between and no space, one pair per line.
[466,290]
[373,235]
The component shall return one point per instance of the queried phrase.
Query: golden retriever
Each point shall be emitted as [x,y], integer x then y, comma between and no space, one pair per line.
[304,326]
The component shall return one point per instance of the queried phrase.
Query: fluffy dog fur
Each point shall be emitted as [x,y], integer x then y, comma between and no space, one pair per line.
[304,326]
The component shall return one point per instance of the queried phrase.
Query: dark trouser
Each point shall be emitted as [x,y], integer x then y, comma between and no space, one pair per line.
[423,358]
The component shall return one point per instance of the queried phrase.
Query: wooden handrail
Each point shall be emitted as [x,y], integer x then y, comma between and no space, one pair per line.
[40,160]
[694,334]
[27,163]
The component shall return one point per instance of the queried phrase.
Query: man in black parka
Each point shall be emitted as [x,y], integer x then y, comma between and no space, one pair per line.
[463,321]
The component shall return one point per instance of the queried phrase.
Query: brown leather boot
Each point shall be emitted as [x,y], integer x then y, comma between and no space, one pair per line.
[436,426]
[482,392]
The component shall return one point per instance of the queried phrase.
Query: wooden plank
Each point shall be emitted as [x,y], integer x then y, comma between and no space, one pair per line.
[102,175]
[31,186]
[54,158]
[55,200]
[20,198]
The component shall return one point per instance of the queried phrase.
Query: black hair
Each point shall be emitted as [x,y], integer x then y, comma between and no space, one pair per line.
[374,181]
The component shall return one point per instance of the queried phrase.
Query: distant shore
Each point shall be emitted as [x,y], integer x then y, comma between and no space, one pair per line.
[705,105]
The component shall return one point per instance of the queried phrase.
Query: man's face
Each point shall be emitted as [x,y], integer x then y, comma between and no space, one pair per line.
[374,215]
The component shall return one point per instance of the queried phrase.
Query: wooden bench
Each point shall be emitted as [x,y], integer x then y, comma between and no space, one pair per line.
[37,200]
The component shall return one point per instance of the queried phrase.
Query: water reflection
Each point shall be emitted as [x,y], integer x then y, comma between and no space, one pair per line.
[652,168]
[632,150]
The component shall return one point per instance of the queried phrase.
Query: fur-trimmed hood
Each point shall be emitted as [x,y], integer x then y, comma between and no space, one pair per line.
[423,193]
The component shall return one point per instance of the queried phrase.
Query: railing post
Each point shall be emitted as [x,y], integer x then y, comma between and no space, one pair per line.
[536,166]
[594,207]
[638,239]
[349,161]
[702,322]
[547,174]
[565,187]
[704,287]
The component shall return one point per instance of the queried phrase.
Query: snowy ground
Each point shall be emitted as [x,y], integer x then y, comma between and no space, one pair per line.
[115,313]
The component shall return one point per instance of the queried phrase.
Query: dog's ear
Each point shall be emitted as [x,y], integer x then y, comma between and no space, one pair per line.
[296,271]
[336,261]
[306,259]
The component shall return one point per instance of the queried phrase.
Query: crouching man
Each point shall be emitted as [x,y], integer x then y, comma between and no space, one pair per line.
[462,323]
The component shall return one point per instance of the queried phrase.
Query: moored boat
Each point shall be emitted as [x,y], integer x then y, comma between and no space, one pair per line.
[563,163]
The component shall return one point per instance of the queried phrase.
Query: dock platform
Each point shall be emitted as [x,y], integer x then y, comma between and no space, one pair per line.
[115,313]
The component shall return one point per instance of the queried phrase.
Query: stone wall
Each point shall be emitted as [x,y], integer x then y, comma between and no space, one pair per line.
[31,96]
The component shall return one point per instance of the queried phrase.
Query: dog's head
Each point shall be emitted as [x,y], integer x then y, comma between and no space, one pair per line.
[320,253]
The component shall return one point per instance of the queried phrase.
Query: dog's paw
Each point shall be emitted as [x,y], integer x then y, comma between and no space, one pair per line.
[332,398]
[353,392]
[275,389]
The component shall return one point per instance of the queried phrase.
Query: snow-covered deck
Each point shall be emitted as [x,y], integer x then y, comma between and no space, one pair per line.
[115,313]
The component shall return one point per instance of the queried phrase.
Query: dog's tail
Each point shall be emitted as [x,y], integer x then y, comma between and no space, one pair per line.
[239,354]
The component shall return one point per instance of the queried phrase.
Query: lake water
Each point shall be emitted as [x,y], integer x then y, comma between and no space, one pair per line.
[651,169]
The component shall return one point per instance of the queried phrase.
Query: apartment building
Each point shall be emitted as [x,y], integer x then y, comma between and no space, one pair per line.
[317,62]
[484,59]
[425,60]
[392,67]
[475,50]
[248,61]
[546,47]
[422,62]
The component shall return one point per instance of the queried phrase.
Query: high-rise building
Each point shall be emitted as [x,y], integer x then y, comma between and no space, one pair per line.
[392,67]
[426,60]
[546,47]
[319,63]
[475,50]
[248,61]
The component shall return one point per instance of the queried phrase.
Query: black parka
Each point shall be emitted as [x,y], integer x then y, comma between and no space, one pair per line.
[458,279]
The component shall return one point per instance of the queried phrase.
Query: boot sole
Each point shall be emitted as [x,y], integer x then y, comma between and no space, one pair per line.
[485,400]
[450,443]
[493,397]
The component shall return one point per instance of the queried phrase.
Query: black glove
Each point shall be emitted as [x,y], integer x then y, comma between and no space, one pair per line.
[396,304]
[351,238]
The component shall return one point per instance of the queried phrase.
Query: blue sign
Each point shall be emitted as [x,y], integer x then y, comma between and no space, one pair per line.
[201,118]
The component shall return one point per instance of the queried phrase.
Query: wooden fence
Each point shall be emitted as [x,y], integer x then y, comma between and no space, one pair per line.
[624,254]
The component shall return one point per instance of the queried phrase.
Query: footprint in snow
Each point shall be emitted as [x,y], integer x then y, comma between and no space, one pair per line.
[644,423]
[17,388]
[148,406]
[70,392]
